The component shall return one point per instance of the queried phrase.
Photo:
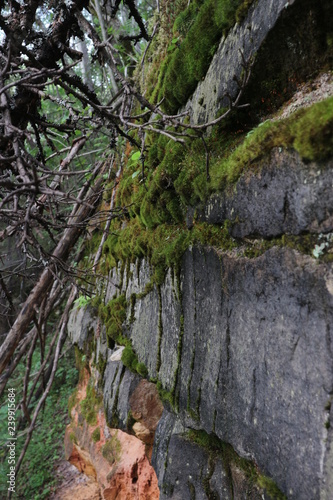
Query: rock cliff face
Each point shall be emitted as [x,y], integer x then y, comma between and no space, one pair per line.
[237,341]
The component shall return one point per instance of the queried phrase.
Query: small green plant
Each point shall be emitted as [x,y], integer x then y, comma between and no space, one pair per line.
[36,479]
[82,301]
[112,449]
[96,435]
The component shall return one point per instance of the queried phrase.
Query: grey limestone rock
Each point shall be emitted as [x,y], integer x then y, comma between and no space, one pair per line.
[82,324]
[287,196]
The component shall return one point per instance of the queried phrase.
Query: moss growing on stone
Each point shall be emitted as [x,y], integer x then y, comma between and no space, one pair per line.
[113,315]
[111,451]
[270,487]
[96,435]
[165,396]
[197,32]
[130,360]
[216,447]
[91,405]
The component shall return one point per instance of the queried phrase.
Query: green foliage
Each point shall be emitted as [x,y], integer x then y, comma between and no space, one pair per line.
[36,478]
[82,301]
[91,405]
[96,435]
[112,449]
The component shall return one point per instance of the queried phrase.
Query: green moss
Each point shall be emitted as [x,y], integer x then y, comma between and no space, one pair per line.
[72,437]
[96,435]
[216,447]
[91,405]
[142,369]
[241,11]
[308,131]
[72,401]
[271,488]
[160,330]
[130,360]
[101,365]
[112,449]
[81,362]
[198,30]
[165,396]
[113,315]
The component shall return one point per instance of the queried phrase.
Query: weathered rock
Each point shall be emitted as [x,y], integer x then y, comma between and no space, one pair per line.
[146,405]
[116,460]
[284,55]
[286,196]
[119,383]
[238,314]
[82,325]
[186,470]
[74,484]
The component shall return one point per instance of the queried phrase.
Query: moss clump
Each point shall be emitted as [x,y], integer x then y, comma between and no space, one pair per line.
[197,32]
[101,365]
[72,437]
[142,369]
[165,245]
[91,405]
[130,360]
[96,435]
[112,449]
[271,488]
[165,396]
[113,315]
[308,131]
[216,447]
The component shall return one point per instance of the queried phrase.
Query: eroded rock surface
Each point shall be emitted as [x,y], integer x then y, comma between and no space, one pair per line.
[287,196]
[114,460]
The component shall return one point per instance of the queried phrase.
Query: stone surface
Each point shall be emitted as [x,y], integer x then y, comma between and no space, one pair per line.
[82,325]
[125,473]
[187,471]
[243,346]
[238,314]
[284,55]
[286,196]
[74,484]
[146,408]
